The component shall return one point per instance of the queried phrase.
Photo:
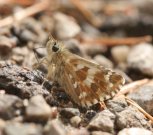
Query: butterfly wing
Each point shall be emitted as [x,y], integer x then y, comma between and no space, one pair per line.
[88,83]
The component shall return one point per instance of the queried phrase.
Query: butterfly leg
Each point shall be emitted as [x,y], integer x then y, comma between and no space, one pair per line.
[36,65]
[42,61]
[102,105]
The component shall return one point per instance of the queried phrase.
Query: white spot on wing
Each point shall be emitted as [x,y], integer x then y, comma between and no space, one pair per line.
[120,86]
[75,85]
[82,95]
[107,97]
[92,71]
[70,76]
[79,66]
[123,81]
[95,101]
[106,78]
[113,93]
[101,98]
[110,85]
[88,103]
[88,81]
[109,73]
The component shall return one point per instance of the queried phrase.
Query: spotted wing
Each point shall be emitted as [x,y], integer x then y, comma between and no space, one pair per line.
[88,83]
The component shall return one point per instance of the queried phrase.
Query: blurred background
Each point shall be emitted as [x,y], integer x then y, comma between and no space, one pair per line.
[114,33]
[117,34]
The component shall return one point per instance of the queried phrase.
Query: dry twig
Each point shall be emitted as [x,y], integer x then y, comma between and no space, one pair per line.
[139,108]
[119,41]
[131,87]
[85,12]
[38,7]
[112,9]
[20,2]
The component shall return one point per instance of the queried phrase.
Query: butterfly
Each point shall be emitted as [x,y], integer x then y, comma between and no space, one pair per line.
[86,82]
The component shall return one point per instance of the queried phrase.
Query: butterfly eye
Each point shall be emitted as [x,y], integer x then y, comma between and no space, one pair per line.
[55,47]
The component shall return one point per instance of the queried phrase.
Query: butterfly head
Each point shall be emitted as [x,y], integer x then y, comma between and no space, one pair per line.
[53,46]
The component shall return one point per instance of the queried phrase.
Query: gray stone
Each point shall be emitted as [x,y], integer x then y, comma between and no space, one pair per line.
[140,58]
[22,129]
[100,133]
[21,81]
[2,125]
[38,109]
[131,117]
[117,104]
[65,26]
[93,51]
[69,112]
[102,60]
[55,127]
[73,46]
[144,97]
[103,121]
[9,106]
[135,131]
[19,54]
[6,45]
[30,30]
[120,53]
[76,131]
[75,121]
[90,114]
[28,35]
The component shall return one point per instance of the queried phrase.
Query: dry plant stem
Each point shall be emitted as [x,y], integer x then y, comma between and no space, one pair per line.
[132,86]
[86,13]
[38,7]
[111,9]
[119,41]
[19,2]
[139,108]
[102,106]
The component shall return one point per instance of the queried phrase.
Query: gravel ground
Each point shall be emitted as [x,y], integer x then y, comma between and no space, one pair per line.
[116,36]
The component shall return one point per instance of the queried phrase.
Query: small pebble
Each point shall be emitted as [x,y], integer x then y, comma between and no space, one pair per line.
[73,46]
[102,60]
[27,35]
[144,97]
[93,50]
[117,104]
[38,109]
[29,30]
[65,26]
[135,131]
[131,117]
[6,45]
[19,53]
[55,127]
[100,133]
[90,114]
[103,121]
[22,129]
[75,121]
[141,58]
[2,125]
[69,112]
[9,105]
[76,131]
[120,53]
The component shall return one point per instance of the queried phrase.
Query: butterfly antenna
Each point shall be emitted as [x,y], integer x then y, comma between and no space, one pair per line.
[51,37]
[34,50]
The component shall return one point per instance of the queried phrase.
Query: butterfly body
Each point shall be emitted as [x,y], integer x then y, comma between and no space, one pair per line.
[87,83]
